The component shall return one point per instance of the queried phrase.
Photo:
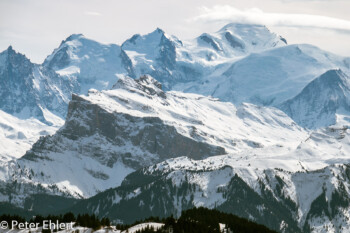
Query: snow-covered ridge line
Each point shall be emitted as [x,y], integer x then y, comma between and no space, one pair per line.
[196,66]
[299,199]
[138,118]
[203,118]
[138,124]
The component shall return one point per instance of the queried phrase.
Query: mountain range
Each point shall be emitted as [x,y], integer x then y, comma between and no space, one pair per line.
[236,120]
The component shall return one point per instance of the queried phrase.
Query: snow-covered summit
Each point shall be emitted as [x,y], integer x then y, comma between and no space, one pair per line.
[89,64]
[148,44]
[256,34]
[269,77]
[157,54]
[10,57]
[241,39]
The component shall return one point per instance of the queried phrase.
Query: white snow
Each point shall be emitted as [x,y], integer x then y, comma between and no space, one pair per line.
[18,135]
[267,78]
[90,63]
[206,119]
[141,226]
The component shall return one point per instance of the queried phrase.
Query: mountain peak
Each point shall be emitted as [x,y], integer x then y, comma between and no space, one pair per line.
[237,39]
[159,30]
[14,56]
[318,103]
[143,85]
[332,76]
[10,48]
[74,37]
[253,33]
[156,34]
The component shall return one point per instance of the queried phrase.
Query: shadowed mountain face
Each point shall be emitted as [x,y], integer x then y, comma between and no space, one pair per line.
[319,102]
[27,89]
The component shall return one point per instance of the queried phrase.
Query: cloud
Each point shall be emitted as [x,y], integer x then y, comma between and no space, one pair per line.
[226,13]
[92,13]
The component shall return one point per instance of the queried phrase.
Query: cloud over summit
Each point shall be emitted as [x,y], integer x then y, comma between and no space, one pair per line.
[227,13]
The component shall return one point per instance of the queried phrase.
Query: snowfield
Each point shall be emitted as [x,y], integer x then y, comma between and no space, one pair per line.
[18,135]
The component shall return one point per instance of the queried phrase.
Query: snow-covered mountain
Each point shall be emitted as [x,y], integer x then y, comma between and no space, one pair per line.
[238,40]
[209,127]
[164,57]
[269,164]
[323,102]
[89,64]
[239,63]
[172,61]
[269,77]
[109,134]
[30,90]
[79,64]
[309,201]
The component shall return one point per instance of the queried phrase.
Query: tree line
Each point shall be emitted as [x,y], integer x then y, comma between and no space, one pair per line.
[203,220]
[197,220]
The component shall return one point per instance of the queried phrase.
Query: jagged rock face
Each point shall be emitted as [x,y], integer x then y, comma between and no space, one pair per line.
[273,197]
[60,60]
[317,104]
[150,134]
[145,84]
[16,82]
[155,139]
[28,89]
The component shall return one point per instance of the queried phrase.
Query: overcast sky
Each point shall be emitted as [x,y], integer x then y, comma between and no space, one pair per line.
[36,27]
